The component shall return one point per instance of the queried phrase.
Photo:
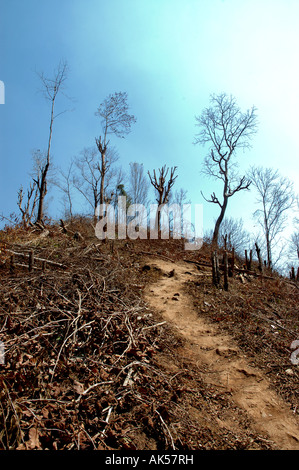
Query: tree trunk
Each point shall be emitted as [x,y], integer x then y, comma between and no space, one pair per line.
[215,269]
[43,182]
[218,222]
[258,252]
[42,193]
[248,260]
[103,172]
[269,255]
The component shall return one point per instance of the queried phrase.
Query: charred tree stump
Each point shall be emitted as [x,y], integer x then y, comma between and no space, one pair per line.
[258,252]
[215,269]
[248,260]
[62,225]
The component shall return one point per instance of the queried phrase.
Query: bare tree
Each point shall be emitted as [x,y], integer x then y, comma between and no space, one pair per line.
[177,200]
[179,197]
[226,129]
[296,219]
[232,235]
[163,189]
[294,241]
[138,184]
[294,248]
[114,120]
[51,88]
[65,184]
[89,177]
[87,180]
[276,196]
[27,207]
[28,202]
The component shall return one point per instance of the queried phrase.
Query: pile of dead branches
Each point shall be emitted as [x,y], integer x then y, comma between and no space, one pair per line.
[78,345]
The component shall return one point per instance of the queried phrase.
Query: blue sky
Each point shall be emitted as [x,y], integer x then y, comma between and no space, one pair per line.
[169,56]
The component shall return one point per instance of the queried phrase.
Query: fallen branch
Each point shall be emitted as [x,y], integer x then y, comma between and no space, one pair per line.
[92,387]
[153,326]
[167,429]
[53,263]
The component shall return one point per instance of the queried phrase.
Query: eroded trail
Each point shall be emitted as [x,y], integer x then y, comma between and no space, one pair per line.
[223,361]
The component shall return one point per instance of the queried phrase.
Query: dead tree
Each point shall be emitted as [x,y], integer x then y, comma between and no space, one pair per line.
[258,252]
[65,184]
[51,88]
[226,129]
[248,260]
[114,120]
[138,184]
[88,178]
[163,189]
[276,197]
[215,269]
[27,208]
[102,148]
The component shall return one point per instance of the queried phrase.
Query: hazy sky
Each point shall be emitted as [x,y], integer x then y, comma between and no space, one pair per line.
[169,56]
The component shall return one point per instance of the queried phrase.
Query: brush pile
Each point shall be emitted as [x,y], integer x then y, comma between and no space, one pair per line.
[78,348]
[88,366]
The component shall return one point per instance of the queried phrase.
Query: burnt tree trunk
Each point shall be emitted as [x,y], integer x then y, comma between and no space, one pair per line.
[258,252]
[248,261]
[215,269]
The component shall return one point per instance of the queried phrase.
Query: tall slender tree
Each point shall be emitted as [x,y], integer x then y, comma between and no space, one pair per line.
[51,88]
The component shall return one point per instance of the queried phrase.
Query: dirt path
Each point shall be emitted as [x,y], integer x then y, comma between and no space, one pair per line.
[225,364]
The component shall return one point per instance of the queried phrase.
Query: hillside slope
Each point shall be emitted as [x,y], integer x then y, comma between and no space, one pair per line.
[127,345]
